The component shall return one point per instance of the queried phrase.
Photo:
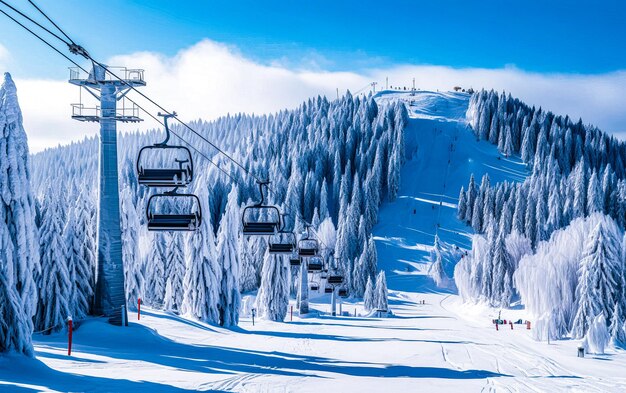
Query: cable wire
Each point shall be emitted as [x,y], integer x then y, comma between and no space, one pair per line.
[51,21]
[34,21]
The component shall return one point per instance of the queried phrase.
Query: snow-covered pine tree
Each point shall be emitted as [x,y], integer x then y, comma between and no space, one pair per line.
[133,265]
[472,192]
[595,200]
[155,272]
[54,280]
[175,261]
[599,269]
[502,275]
[248,280]
[616,329]
[369,296]
[19,242]
[393,175]
[203,279]
[80,259]
[436,271]
[273,298]
[462,206]
[227,235]
[580,190]
[380,299]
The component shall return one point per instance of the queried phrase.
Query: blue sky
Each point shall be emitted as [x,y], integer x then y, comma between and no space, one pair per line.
[539,36]
[209,58]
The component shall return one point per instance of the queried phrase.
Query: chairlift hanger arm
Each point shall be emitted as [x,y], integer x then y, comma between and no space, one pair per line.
[96,96]
[124,92]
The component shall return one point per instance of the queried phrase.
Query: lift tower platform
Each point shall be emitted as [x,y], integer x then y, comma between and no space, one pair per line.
[110,297]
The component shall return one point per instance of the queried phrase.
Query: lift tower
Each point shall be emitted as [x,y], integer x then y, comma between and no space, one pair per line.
[103,84]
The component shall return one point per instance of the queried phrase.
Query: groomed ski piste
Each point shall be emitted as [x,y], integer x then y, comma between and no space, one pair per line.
[432,342]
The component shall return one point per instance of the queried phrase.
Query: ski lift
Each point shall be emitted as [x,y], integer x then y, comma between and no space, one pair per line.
[342,292]
[315,265]
[165,221]
[283,242]
[253,224]
[294,260]
[308,247]
[179,174]
[335,279]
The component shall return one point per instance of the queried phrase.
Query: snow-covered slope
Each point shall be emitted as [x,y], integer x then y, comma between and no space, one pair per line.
[439,346]
[442,153]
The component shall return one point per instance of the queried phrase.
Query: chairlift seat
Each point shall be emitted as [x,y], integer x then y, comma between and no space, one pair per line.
[164,177]
[280,248]
[259,228]
[307,252]
[282,243]
[315,287]
[173,222]
[315,266]
[328,290]
[335,279]
[165,221]
[342,292]
[295,261]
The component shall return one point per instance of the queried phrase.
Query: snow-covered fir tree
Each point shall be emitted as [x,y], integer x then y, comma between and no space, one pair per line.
[369,296]
[19,243]
[155,272]
[381,301]
[133,263]
[175,262]
[203,277]
[228,258]
[80,259]
[54,281]
[436,270]
[273,298]
[600,268]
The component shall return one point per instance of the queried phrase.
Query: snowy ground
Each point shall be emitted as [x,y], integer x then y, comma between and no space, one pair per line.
[441,345]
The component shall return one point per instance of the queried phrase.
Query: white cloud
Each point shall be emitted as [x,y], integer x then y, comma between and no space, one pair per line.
[210,79]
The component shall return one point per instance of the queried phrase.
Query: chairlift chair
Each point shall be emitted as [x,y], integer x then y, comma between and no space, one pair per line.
[308,247]
[342,292]
[294,260]
[315,265]
[283,242]
[335,279]
[315,286]
[179,174]
[252,225]
[165,221]
[328,289]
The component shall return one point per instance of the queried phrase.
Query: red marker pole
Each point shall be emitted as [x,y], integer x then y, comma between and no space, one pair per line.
[69,336]
[292,313]
[497,325]
[527,325]
[511,325]
[138,308]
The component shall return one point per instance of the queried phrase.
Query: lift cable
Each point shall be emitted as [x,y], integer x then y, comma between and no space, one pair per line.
[51,21]
[34,22]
